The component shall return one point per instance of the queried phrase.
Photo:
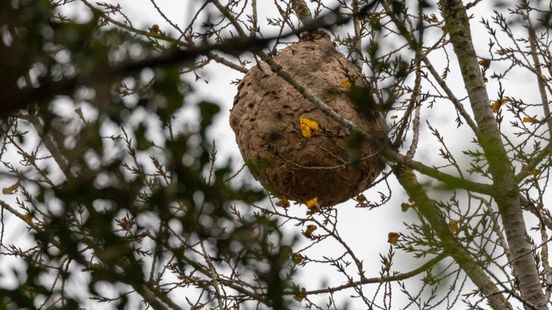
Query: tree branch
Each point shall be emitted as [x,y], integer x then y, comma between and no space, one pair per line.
[506,191]
[302,10]
[398,277]
[20,98]
[449,242]
[449,180]
[534,162]
[414,44]
[537,67]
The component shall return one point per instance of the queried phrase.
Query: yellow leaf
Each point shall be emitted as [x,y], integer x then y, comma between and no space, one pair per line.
[453,226]
[496,104]
[299,296]
[485,63]
[284,203]
[10,189]
[308,126]
[534,172]
[313,204]
[346,84]
[393,238]
[405,206]
[310,229]
[28,218]
[296,258]
[529,120]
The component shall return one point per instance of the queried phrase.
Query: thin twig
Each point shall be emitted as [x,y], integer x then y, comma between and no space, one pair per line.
[397,277]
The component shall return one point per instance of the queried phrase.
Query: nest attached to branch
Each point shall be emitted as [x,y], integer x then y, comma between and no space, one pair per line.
[290,146]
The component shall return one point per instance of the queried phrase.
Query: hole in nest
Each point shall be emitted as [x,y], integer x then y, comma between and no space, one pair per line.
[273,136]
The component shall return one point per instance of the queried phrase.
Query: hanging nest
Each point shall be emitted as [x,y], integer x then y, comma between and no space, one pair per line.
[291,146]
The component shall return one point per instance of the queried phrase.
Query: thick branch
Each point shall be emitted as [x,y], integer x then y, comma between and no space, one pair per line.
[506,192]
[302,11]
[534,162]
[449,180]
[449,242]
[387,152]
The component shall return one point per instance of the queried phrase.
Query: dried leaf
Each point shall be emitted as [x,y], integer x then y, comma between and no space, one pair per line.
[154,29]
[312,204]
[28,218]
[496,104]
[296,258]
[310,229]
[485,63]
[360,198]
[10,189]
[530,120]
[393,238]
[284,203]
[534,172]
[453,226]
[433,18]
[393,117]
[299,296]
[405,206]
[308,126]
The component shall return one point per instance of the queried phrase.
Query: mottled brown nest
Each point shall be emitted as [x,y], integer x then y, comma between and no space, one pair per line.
[328,165]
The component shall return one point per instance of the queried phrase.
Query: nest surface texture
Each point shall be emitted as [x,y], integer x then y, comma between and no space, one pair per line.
[328,165]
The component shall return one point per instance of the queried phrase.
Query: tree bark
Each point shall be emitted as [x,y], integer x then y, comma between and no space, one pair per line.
[506,191]
[449,242]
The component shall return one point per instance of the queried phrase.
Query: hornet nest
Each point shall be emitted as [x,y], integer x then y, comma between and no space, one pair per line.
[290,146]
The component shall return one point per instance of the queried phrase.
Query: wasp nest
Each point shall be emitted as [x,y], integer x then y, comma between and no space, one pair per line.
[291,146]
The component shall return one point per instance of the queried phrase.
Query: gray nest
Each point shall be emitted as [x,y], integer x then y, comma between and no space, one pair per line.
[332,164]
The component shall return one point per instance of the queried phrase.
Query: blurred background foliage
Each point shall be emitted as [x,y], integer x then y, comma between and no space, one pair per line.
[117,187]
